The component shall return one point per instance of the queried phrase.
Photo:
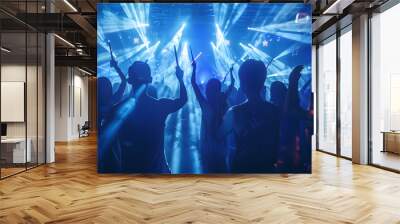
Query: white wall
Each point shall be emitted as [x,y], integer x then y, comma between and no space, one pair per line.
[71,94]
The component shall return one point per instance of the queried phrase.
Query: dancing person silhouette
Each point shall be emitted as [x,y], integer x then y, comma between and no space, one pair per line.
[254,124]
[107,99]
[139,122]
[292,116]
[213,107]
[278,94]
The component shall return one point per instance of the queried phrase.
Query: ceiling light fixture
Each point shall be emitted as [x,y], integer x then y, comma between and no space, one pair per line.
[5,50]
[70,5]
[84,71]
[337,7]
[65,41]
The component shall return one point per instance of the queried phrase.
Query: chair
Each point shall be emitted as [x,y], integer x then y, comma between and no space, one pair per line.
[84,130]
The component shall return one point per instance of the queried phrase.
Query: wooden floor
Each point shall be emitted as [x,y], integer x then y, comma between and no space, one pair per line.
[70,191]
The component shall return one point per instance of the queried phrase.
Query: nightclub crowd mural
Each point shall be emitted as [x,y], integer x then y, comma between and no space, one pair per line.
[204,88]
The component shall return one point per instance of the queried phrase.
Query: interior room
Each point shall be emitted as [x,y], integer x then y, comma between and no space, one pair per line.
[384,89]
[63,62]
[22,102]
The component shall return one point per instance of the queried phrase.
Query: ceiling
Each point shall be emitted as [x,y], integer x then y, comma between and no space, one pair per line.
[76,23]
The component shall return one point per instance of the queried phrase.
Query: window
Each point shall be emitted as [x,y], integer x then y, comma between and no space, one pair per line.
[327,96]
[385,89]
[346,93]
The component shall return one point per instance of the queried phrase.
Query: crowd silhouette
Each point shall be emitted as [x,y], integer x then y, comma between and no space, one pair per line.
[241,131]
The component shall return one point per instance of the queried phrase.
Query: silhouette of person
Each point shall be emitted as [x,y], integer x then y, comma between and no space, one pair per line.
[110,157]
[213,107]
[107,99]
[139,122]
[291,121]
[238,97]
[278,93]
[254,124]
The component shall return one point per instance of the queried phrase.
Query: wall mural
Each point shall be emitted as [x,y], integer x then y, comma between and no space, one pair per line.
[203,88]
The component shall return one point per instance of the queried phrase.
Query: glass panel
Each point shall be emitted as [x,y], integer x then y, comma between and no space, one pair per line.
[346,94]
[385,84]
[23,84]
[32,88]
[41,99]
[31,100]
[327,96]
[13,87]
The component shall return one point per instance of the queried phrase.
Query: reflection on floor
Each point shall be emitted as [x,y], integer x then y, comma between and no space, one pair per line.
[71,191]
[387,159]
[9,170]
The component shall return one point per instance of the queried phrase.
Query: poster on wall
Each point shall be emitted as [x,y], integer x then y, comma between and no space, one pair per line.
[204,88]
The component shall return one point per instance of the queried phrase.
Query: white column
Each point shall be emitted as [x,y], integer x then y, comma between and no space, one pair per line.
[50,92]
[360,90]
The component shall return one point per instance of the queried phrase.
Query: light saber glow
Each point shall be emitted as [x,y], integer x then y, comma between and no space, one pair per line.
[194,58]
[198,56]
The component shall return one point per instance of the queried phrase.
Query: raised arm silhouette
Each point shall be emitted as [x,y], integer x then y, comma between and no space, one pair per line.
[213,107]
[139,122]
[291,134]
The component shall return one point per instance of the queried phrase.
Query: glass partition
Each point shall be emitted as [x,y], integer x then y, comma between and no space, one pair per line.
[327,95]
[22,90]
[14,153]
[31,98]
[346,93]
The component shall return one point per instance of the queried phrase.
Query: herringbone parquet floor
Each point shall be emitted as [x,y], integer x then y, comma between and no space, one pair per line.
[70,191]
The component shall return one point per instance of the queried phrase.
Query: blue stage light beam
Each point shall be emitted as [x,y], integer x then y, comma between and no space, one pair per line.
[223,56]
[220,12]
[128,53]
[177,146]
[222,61]
[275,63]
[282,12]
[296,31]
[236,12]
[148,54]
[115,23]
[194,130]
[185,62]
[167,66]
[286,52]
[110,131]
[139,13]
[176,39]
[302,25]
[249,52]
[226,15]
[222,53]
